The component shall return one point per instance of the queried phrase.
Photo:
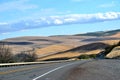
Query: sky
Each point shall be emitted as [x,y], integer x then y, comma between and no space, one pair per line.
[57,17]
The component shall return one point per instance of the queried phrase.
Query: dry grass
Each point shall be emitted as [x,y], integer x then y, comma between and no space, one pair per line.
[53,49]
[94,52]
[116,35]
[114,53]
[110,42]
[62,55]
[49,47]
[17,49]
[69,54]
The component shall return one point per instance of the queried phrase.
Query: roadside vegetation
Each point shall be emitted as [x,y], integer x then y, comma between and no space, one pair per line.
[102,54]
[25,56]
[6,55]
[85,56]
[108,50]
[57,59]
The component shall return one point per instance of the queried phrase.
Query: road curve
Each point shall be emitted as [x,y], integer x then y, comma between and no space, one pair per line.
[105,69]
[52,71]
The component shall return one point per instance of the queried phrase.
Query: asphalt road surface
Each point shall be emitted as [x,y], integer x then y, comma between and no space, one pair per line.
[74,70]
[51,71]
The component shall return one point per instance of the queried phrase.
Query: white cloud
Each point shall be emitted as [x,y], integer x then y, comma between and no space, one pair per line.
[59,20]
[69,20]
[109,16]
[16,5]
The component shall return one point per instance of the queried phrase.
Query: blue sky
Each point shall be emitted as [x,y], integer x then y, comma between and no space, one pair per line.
[57,17]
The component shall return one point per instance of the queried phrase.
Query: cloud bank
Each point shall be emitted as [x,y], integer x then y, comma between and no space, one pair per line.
[59,20]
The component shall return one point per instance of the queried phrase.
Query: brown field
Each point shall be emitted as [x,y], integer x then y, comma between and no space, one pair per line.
[62,46]
[116,35]
[114,53]
[69,55]
[50,50]
[111,42]
[62,55]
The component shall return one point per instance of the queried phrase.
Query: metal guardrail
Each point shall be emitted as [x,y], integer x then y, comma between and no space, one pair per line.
[30,63]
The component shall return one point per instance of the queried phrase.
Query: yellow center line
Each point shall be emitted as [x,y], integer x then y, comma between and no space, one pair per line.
[23,69]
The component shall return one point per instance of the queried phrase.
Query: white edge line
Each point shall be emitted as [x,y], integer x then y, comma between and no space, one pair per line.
[51,71]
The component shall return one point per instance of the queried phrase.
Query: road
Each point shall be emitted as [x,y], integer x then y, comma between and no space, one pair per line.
[104,69]
[51,71]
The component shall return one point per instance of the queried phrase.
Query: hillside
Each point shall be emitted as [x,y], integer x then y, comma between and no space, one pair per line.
[64,46]
[53,49]
[100,33]
[115,53]
[116,35]
[19,44]
[88,49]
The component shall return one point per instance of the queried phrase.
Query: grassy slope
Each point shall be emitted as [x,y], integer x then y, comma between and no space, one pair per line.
[92,48]
[66,46]
[114,53]
[53,49]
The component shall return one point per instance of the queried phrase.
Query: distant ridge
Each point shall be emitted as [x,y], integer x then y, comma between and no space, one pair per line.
[100,33]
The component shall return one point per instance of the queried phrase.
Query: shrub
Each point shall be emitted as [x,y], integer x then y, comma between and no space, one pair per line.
[57,59]
[110,48]
[93,56]
[85,56]
[26,56]
[6,55]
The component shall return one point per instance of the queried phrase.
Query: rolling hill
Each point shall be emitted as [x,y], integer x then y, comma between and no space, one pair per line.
[100,33]
[64,46]
[114,53]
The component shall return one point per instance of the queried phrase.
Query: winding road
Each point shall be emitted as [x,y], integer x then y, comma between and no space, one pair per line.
[51,71]
[103,69]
